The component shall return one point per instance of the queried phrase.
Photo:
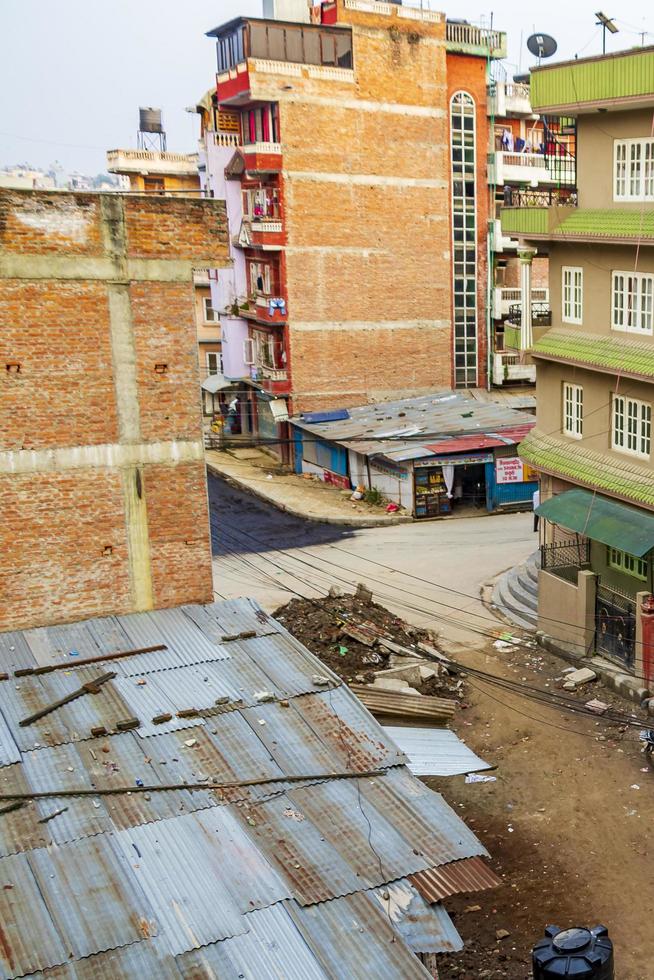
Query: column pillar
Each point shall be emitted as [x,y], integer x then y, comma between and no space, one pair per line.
[526,334]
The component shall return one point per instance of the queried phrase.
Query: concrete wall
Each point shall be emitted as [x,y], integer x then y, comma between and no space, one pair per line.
[566,612]
[595,137]
[597,393]
[102,477]
[598,263]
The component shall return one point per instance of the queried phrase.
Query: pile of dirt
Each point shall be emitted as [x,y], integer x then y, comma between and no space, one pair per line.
[326,625]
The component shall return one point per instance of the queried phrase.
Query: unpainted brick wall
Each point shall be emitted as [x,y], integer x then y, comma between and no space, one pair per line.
[64,535]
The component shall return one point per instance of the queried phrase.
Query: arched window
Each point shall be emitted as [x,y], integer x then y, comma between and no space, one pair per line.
[464,239]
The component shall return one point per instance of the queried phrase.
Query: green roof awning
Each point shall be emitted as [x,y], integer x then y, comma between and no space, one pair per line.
[601,519]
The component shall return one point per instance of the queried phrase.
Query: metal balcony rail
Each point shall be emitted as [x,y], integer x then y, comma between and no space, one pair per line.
[541,314]
[539,197]
[565,559]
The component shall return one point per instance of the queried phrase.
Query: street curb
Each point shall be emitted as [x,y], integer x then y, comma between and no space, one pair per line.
[339,521]
[623,684]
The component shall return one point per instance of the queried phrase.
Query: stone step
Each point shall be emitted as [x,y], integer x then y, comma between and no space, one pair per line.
[510,607]
[516,586]
[532,567]
[528,583]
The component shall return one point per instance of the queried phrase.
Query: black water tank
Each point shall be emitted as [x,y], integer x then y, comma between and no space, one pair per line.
[586,954]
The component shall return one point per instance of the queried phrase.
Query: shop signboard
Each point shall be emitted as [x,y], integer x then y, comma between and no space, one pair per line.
[511,469]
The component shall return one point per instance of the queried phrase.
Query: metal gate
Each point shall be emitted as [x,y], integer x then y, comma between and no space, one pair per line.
[615,625]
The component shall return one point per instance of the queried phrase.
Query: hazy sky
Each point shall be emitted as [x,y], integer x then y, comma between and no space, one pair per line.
[73,73]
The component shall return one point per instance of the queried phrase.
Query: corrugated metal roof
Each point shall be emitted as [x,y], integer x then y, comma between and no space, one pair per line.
[435,751]
[107,912]
[271,949]
[105,873]
[181,866]
[468,875]
[402,427]
[391,703]
[14,653]
[354,930]
[460,444]
[425,928]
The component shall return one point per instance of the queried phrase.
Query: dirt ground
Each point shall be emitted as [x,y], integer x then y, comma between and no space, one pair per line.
[568,823]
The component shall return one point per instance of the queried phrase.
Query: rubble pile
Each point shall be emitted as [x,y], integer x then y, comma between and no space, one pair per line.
[364,643]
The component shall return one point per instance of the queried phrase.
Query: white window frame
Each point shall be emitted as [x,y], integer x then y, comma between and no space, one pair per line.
[209,315]
[629,564]
[248,351]
[573,410]
[214,360]
[572,294]
[259,269]
[632,302]
[633,169]
[631,426]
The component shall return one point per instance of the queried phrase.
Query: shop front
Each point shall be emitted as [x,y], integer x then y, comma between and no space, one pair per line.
[445,485]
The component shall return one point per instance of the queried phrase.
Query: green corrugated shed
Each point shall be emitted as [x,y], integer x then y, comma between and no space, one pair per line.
[590,468]
[601,519]
[561,223]
[615,353]
[625,75]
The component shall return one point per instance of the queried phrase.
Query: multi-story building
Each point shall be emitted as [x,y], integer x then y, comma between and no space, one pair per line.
[532,164]
[352,154]
[595,367]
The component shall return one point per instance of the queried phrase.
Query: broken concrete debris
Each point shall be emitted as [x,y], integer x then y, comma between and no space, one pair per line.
[576,678]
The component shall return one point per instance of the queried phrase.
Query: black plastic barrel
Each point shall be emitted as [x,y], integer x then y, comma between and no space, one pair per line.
[586,954]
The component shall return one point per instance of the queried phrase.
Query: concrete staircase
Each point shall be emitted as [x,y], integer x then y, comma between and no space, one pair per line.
[515,594]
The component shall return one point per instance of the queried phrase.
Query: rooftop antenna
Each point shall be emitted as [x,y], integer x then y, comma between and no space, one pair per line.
[541,45]
[151,134]
[607,24]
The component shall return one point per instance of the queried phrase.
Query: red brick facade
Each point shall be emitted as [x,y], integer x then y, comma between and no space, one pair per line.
[102,479]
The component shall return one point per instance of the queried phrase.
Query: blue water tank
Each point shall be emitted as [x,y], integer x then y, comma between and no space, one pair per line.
[586,954]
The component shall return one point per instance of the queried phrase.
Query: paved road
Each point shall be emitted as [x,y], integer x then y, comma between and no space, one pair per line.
[430,573]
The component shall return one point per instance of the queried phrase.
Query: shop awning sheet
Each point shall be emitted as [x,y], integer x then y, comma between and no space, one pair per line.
[602,519]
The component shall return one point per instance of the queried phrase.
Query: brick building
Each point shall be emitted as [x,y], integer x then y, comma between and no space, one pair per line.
[352,155]
[102,476]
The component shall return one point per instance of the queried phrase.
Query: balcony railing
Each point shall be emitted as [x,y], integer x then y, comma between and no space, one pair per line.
[539,197]
[468,36]
[151,161]
[508,167]
[507,98]
[541,314]
[505,297]
[509,368]
[565,559]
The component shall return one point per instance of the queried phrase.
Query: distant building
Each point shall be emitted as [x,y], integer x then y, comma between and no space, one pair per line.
[592,445]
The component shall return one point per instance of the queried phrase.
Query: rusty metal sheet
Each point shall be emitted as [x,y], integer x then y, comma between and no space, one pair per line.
[181,866]
[147,701]
[424,928]
[314,869]
[148,959]
[289,665]
[355,739]
[233,616]
[19,829]
[9,752]
[30,940]
[93,898]
[468,875]
[62,767]
[14,653]
[422,817]
[354,930]
[272,948]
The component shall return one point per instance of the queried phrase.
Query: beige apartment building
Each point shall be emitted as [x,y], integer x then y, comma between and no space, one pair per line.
[592,444]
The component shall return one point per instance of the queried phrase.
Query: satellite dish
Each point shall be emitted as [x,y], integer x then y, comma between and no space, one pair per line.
[541,45]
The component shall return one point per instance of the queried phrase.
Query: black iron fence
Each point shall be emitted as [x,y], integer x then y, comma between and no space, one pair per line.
[539,197]
[565,559]
[541,314]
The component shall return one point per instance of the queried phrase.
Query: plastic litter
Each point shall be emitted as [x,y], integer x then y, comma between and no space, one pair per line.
[475,777]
